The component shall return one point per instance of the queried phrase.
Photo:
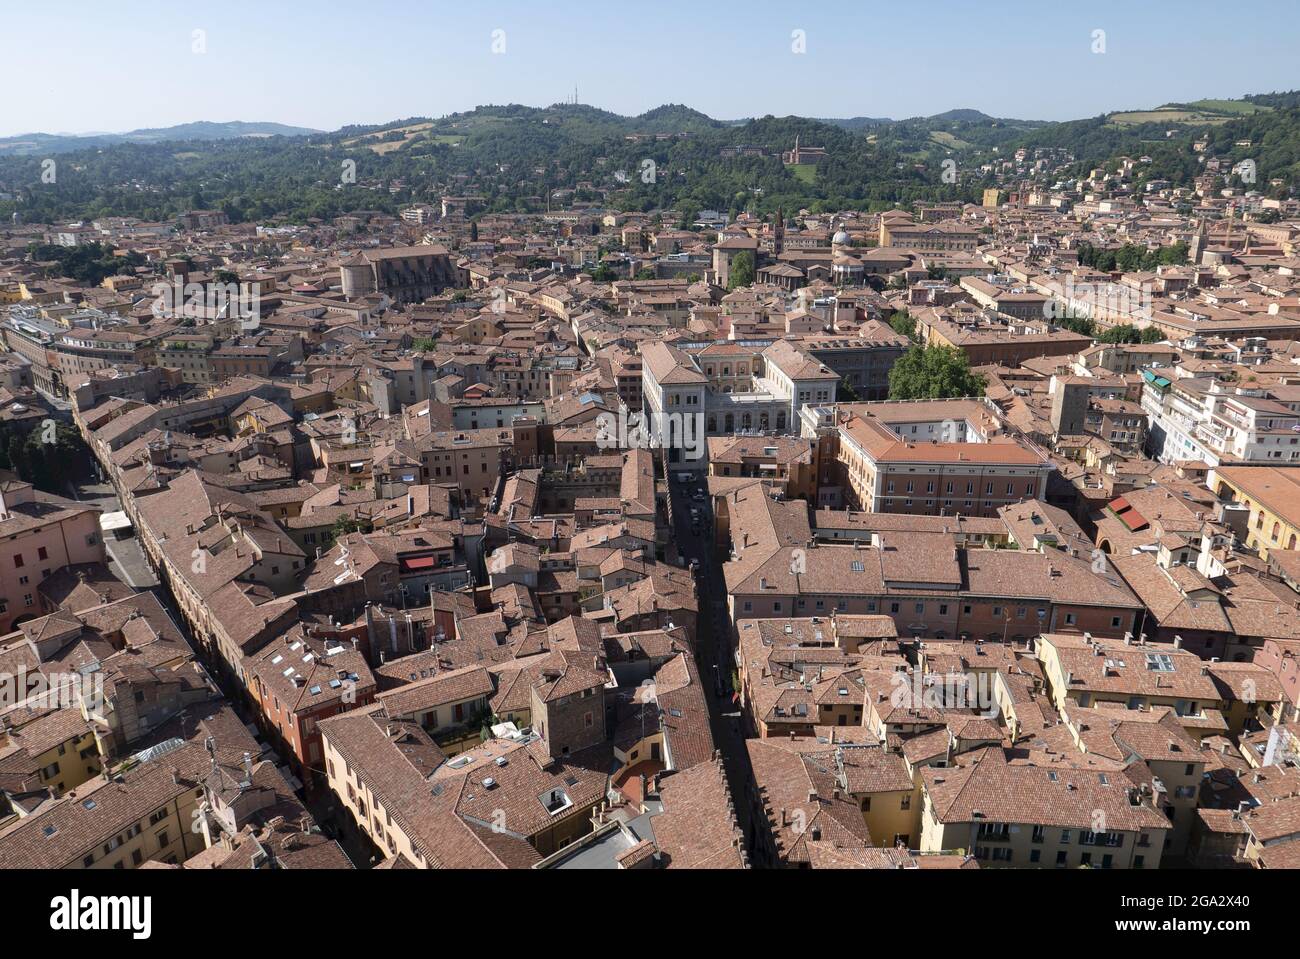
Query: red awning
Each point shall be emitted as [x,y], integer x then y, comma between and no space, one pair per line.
[412,563]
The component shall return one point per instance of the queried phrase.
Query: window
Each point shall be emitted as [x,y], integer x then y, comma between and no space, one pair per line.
[1160,662]
[18,560]
[996,831]
[42,553]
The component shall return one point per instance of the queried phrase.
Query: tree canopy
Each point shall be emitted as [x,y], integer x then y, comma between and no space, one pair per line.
[933,373]
[742,271]
[1127,333]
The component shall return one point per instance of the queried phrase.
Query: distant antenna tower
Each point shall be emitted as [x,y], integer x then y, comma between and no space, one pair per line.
[575,94]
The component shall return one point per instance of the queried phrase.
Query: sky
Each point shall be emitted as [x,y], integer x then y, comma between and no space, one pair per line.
[79,66]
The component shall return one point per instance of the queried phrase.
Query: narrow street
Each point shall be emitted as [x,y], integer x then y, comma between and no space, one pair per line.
[125,559]
[715,651]
[127,562]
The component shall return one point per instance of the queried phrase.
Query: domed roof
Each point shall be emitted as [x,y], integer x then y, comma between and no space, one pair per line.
[842,238]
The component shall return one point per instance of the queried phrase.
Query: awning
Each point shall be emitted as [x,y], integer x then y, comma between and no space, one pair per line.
[109,522]
[412,563]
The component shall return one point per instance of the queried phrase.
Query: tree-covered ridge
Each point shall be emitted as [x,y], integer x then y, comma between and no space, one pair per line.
[518,158]
[514,159]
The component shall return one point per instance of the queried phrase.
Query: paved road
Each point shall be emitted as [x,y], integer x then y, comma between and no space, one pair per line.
[715,650]
[125,558]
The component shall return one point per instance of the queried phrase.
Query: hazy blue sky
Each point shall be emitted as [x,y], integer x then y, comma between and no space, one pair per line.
[114,65]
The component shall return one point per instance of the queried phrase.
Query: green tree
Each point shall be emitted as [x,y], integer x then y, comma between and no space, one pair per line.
[904,324]
[1079,324]
[346,525]
[742,271]
[933,373]
[1127,333]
